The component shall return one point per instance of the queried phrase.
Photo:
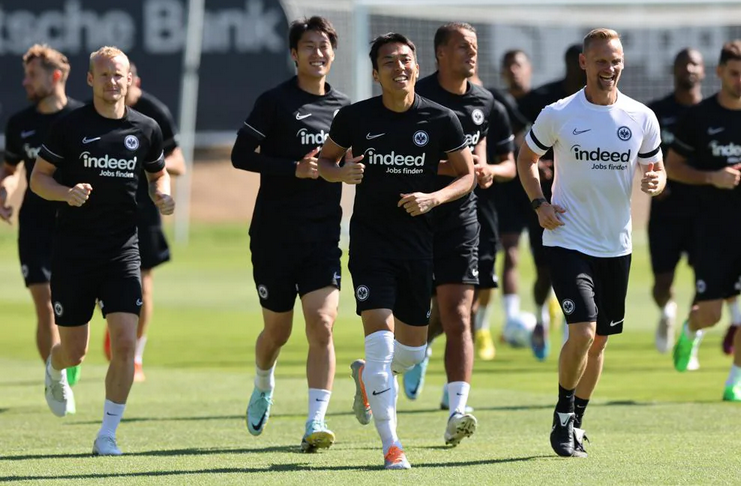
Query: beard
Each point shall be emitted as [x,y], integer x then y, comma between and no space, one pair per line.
[36,96]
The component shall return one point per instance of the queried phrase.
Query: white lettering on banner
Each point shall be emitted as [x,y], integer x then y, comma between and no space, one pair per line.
[74,29]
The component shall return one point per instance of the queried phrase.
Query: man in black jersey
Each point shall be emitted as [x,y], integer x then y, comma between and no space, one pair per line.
[400,137]
[46,73]
[91,159]
[708,136]
[464,243]
[295,230]
[153,246]
[670,228]
[530,107]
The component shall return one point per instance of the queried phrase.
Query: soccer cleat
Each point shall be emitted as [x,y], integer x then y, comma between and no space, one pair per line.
[459,427]
[728,339]
[445,401]
[59,395]
[540,343]
[684,350]
[107,344]
[258,411]
[138,373]
[664,334]
[396,459]
[106,446]
[414,379]
[317,436]
[360,404]
[484,344]
[732,393]
[554,312]
[563,437]
[694,364]
[73,374]
[579,437]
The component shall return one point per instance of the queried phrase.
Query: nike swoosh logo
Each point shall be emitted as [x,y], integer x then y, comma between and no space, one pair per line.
[318,400]
[378,393]
[579,132]
[111,414]
[564,418]
[714,131]
[139,302]
[613,323]
[371,137]
[259,424]
[459,394]
[88,140]
[299,116]
[27,133]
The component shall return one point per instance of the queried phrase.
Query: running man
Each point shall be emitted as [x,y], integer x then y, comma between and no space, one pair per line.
[400,137]
[46,72]
[91,159]
[598,136]
[295,230]
[708,136]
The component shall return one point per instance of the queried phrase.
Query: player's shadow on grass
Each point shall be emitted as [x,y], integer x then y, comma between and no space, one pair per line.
[199,418]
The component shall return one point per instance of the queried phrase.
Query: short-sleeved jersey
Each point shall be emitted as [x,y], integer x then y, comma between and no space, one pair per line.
[596,150]
[678,200]
[709,136]
[402,153]
[24,134]
[289,123]
[150,106]
[108,154]
[516,118]
[473,110]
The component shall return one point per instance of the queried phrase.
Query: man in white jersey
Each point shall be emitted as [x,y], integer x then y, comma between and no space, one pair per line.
[598,136]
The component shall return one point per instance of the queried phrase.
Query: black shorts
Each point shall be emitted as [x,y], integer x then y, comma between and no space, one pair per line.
[77,285]
[717,262]
[404,286]
[282,272]
[457,255]
[512,205]
[34,252]
[668,239]
[591,289]
[535,235]
[488,246]
[153,246]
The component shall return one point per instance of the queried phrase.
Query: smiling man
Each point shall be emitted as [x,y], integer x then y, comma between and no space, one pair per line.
[598,136]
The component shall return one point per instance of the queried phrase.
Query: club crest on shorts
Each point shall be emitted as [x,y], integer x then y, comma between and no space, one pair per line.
[477,116]
[362,293]
[568,307]
[58,309]
[420,138]
[701,286]
[624,133]
[131,142]
[262,291]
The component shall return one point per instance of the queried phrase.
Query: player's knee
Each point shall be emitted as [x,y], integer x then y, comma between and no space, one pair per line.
[457,322]
[74,354]
[582,336]
[319,329]
[598,346]
[406,357]
[123,345]
[708,316]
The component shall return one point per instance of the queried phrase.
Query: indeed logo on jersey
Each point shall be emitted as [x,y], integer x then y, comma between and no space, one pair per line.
[600,155]
[472,139]
[313,139]
[31,152]
[111,167]
[731,150]
[398,163]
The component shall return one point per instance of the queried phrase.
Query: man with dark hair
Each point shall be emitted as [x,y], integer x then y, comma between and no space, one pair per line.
[465,239]
[707,152]
[46,72]
[598,136]
[91,160]
[531,107]
[400,137]
[295,230]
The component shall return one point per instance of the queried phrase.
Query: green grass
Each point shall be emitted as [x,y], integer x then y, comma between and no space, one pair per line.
[648,424]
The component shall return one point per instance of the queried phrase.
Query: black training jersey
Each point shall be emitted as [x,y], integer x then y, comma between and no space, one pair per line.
[150,106]
[473,110]
[709,136]
[402,153]
[289,123]
[516,118]
[24,134]
[677,199]
[108,154]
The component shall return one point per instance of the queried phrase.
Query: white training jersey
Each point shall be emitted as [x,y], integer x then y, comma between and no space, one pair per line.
[596,149]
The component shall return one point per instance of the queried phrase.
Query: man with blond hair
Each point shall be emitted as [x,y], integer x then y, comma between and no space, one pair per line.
[46,71]
[598,136]
[91,160]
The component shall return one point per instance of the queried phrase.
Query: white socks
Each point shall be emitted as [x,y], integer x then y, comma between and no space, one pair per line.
[734,376]
[318,403]
[511,305]
[669,311]
[265,379]
[482,317]
[458,396]
[734,311]
[112,414]
[55,374]
[380,386]
[405,357]
[691,334]
[140,344]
